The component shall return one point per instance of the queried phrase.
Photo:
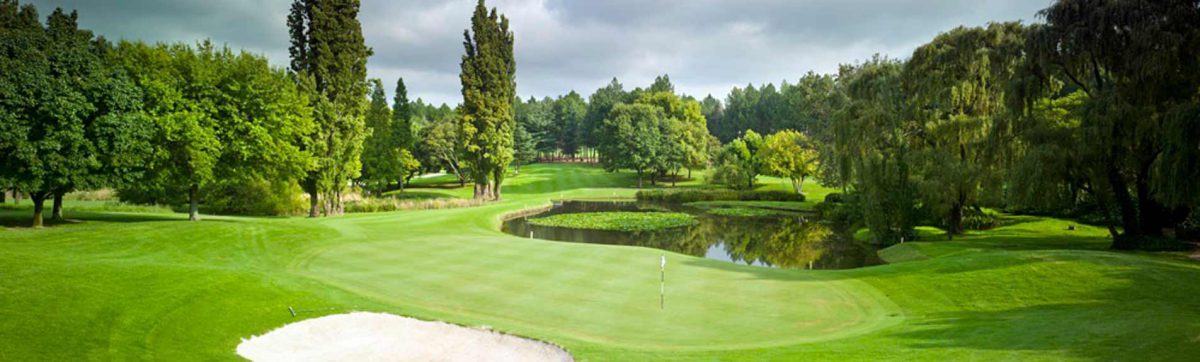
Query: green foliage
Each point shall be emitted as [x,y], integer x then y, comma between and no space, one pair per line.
[956,87]
[789,154]
[688,195]
[569,112]
[387,157]
[738,163]
[617,221]
[600,103]
[633,138]
[329,59]
[524,146]
[389,204]
[977,219]
[1128,99]
[221,121]
[69,118]
[437,148]
[251,196]
[488,87]
[872,150]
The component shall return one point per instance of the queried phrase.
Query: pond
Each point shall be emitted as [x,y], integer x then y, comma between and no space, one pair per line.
[781,240]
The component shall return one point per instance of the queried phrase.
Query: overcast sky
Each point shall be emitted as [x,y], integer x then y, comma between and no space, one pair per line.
[707,46]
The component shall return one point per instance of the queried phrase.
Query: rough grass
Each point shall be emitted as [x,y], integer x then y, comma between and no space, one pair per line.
[617,221]
[117,286]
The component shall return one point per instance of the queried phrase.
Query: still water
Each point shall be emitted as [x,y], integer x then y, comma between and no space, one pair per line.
[788,240]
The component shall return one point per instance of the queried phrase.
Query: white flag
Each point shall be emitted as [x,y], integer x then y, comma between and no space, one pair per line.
[663,265]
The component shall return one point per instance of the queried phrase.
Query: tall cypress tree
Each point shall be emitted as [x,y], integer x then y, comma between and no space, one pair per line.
[402,129]
[377,158]
[329,53]
[488,87]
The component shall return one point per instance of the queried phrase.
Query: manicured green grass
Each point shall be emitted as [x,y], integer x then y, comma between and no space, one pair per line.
[119,286]
[617,221]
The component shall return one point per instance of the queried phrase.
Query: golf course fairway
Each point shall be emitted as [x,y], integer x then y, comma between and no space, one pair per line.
[121,286]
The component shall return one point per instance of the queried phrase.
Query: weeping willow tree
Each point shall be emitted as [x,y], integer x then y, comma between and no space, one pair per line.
[1119,81]
[956,87]
[872,149]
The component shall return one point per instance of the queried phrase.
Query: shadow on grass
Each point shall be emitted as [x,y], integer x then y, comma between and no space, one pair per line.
[1147,311]
[23,217]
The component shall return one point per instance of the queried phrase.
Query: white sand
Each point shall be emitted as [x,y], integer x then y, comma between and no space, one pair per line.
[362,336]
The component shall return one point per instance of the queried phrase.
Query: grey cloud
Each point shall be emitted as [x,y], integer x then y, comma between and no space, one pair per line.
[707,46]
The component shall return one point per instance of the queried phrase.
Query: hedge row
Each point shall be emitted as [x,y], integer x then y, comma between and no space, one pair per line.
[683,196]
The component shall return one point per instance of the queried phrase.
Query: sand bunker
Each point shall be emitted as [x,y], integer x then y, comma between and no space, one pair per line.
[362,336]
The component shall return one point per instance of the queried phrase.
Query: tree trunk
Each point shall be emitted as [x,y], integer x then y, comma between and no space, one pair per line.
[1129,219]
[498,180]
[314,200]
[3,196]
[341,204]
[56,213]
[956,217]
[639,174]
[1152,215]
[39,200]
[194,203]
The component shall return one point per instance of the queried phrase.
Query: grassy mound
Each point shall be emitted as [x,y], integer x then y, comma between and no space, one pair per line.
[617,221]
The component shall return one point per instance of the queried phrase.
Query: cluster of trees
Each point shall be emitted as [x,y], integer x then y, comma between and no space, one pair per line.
[69,117]
[388,153]
[175,123]
[650,131]
[551,128]
[788,154]
[803,107]
[1096,109]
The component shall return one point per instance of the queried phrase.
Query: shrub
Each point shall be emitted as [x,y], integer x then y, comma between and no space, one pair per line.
[975,219]
[835,197]
[392,204]
[254,197]
[685,196]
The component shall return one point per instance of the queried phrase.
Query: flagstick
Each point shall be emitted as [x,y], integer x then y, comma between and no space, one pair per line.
[662,283]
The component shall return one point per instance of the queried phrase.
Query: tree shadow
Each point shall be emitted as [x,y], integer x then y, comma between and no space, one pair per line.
[23,218]
[1148,311]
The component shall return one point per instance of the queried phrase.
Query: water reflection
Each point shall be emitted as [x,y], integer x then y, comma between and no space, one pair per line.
[784,241]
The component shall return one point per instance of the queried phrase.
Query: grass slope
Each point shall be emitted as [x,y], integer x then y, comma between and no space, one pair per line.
[152,286]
